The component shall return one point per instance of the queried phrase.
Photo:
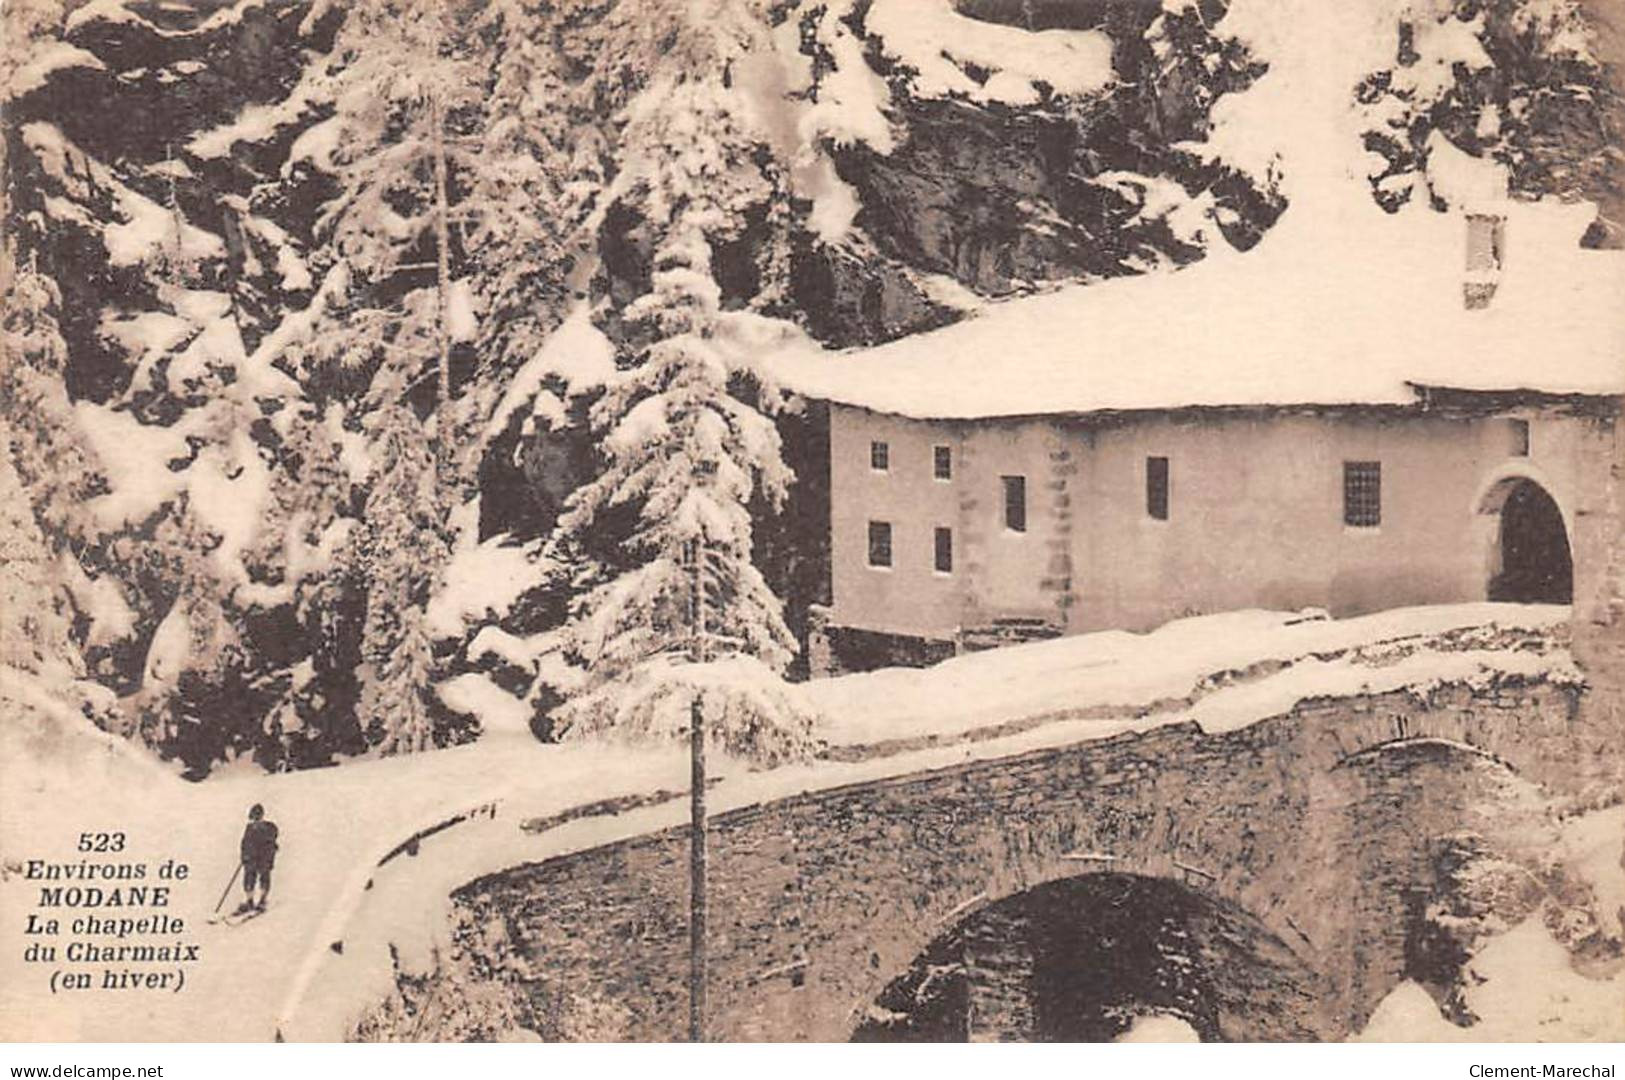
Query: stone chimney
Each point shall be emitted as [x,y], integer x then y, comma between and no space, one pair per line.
[1486,250]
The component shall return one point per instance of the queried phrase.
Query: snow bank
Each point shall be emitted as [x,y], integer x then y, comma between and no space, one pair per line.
[400,909]
[46,729]
[1115,669]
[941,46]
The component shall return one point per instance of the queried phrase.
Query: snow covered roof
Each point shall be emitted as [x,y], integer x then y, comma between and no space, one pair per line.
[1292,326]
[1339,304]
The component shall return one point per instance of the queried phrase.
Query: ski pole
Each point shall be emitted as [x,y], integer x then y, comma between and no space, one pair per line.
[229,884]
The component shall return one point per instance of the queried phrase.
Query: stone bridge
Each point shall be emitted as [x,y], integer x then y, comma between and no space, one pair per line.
[1286,865]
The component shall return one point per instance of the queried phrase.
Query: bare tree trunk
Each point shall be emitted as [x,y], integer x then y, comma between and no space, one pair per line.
[442,265]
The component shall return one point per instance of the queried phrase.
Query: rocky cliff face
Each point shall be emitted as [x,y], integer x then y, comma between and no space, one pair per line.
[191,109]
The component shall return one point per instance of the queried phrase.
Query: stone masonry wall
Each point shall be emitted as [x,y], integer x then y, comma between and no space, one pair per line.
[1323,824]
[1599,576]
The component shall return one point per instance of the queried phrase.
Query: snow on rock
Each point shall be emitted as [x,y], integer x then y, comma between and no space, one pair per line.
[1462,180]
[942,46]
[577,353]
[134,457]
[481,582]
[1522,985]
[257,122]
[101,601]
[476,695]
[1522,988]
[1238,706]
[46,61]
[170,649]
[106,11]
[852,100]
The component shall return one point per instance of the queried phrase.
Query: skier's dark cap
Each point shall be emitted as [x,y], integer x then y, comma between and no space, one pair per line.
[256,812]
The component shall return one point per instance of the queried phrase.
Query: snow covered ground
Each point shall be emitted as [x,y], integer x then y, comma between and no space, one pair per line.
[282,971]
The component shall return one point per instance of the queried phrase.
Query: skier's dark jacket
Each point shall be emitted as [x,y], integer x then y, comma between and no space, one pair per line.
[259,844]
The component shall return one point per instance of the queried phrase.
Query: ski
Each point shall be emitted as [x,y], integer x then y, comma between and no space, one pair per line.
[235,918]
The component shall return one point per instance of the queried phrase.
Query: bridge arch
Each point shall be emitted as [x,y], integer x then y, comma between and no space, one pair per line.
[1083,958]
[1524,532]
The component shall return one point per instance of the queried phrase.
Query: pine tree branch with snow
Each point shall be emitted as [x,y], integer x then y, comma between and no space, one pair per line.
[687,456]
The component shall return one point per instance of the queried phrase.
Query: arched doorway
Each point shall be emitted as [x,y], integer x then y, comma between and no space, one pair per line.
[1096,958]
[1532,563]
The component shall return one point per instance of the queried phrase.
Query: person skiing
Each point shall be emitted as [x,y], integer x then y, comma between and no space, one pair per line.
[258,854]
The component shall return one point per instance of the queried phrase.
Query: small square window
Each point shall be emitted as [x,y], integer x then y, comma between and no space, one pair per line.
[879,456]
[1520,438]
[1156,488]
[1015,502]
[879,543]
[1362,494]
[943,558]
[942,462]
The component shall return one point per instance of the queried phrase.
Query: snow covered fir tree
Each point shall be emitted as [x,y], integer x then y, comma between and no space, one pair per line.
[473,397]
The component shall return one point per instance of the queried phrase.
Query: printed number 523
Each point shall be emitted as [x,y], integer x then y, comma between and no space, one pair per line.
[101,841]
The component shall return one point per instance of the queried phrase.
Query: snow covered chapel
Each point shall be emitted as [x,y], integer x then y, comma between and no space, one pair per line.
[1406,419]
